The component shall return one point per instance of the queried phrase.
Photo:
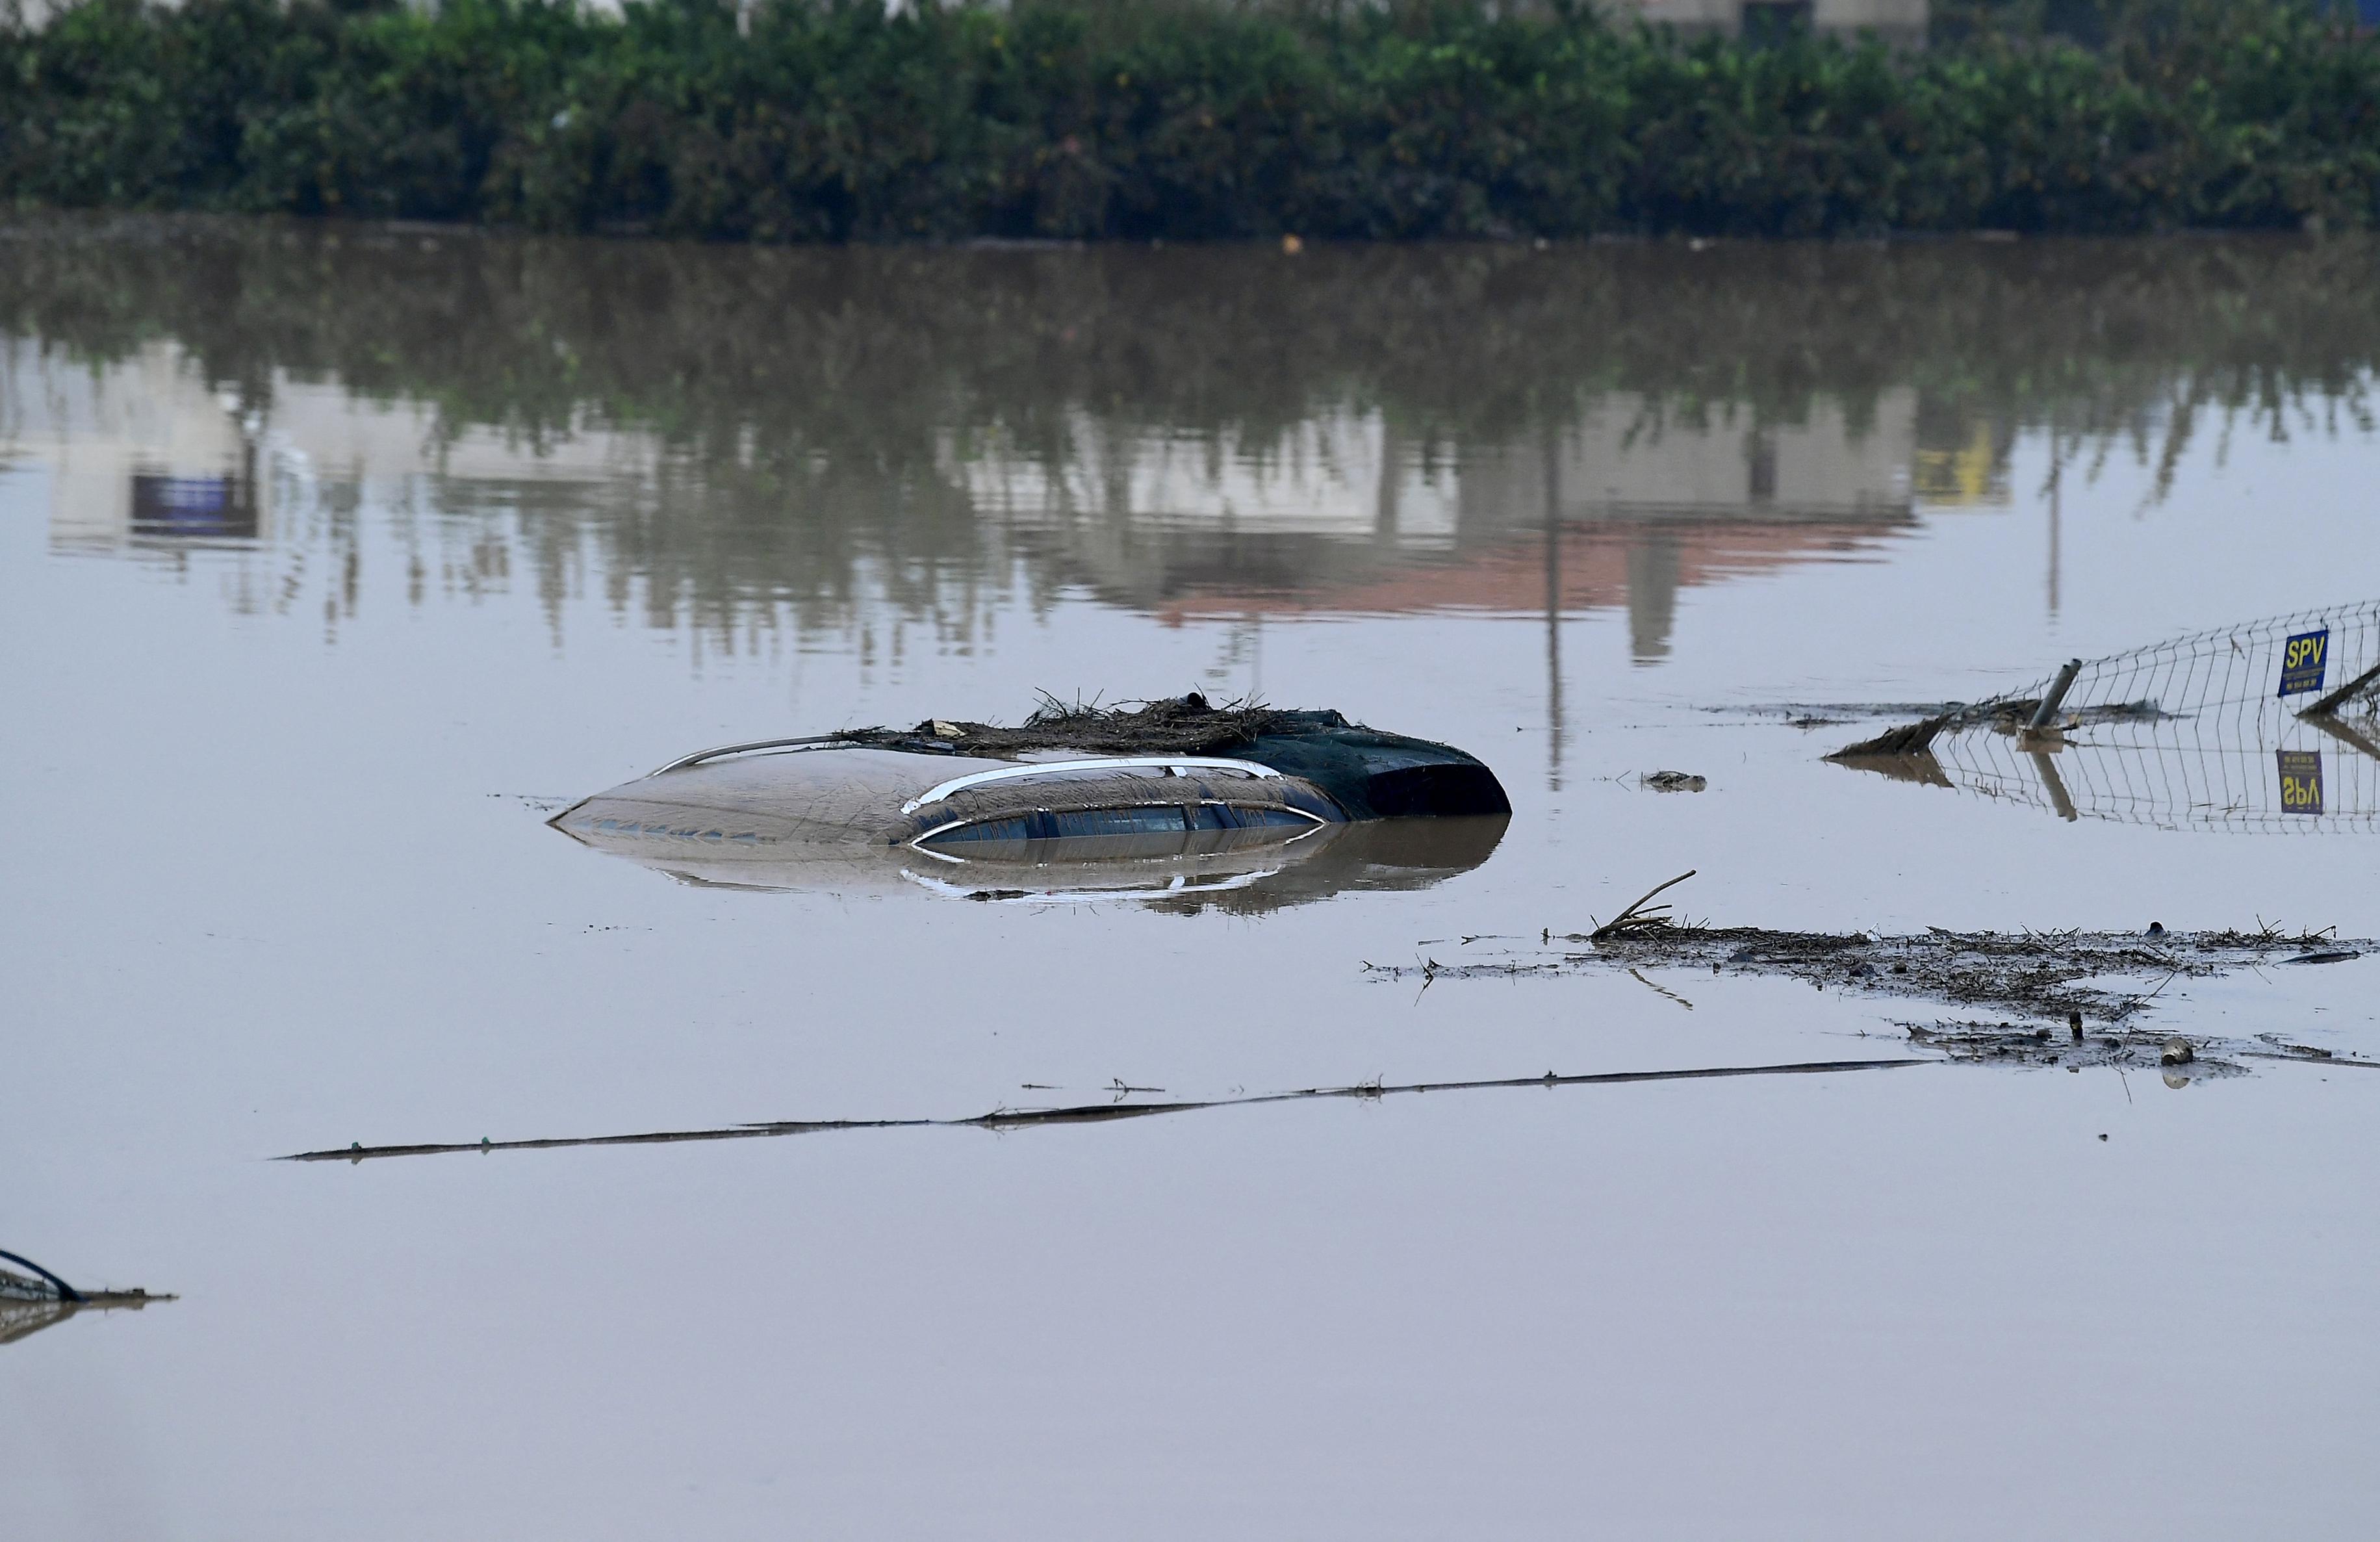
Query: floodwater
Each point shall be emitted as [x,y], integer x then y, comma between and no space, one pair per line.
[333,560]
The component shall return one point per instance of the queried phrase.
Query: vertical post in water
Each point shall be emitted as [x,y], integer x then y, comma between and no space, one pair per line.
[2046,713]
[2053,784]
[1553,611]
[2055,466]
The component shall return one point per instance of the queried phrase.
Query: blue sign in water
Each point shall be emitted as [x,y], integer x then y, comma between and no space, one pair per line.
[2302,660]
[2300,781]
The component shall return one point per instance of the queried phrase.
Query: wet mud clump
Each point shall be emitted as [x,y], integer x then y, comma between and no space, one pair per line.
[2179,1060]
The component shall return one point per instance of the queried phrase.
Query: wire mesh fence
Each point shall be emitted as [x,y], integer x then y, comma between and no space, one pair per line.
[2163,775]
[2269,726]
[2245,680]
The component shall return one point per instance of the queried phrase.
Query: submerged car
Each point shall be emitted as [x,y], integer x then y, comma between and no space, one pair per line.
[1176,799]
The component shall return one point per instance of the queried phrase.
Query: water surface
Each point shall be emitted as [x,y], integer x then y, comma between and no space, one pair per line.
[336,558]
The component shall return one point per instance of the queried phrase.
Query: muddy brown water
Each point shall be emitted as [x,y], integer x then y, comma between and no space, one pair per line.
[336,559]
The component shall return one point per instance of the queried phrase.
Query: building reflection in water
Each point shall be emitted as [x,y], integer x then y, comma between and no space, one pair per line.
[1623,507]
[140,452]
[865,443]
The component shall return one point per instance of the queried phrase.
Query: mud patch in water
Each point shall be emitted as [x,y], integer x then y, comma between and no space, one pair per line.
[2101,978]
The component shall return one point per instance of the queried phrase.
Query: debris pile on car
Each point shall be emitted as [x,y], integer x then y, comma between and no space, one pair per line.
[1171,726]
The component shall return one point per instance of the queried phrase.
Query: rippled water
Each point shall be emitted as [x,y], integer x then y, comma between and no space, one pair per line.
[336,559]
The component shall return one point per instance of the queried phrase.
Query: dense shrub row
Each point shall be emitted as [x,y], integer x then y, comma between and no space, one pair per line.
[1173,119]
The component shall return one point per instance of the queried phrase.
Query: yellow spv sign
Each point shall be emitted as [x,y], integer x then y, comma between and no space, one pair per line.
[2300,781]
[2303,659]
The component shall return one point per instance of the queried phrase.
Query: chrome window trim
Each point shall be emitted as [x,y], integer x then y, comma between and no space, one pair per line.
[1173,765]
[918,842]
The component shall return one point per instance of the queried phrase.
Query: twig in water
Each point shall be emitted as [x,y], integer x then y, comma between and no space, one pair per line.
[2135,1003]
[1636,917]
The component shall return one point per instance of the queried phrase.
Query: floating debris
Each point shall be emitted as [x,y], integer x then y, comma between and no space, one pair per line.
[1639,917]
[2028,1046]
[2061,975]
[1098,1114]
[2003,714]
[1170,725]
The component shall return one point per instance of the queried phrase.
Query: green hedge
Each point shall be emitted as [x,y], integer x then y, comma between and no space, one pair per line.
[1179,119]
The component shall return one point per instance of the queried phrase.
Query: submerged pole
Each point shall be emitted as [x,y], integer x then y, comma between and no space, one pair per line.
[1553,612]
[2046,713]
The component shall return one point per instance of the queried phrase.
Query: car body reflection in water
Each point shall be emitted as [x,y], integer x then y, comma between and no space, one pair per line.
[1238,871]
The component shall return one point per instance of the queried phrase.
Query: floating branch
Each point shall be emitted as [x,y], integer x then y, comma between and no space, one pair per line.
[1099,1113]
[1636,918]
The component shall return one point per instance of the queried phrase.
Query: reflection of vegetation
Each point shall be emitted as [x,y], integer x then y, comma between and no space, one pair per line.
[834,120]
[810,403]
